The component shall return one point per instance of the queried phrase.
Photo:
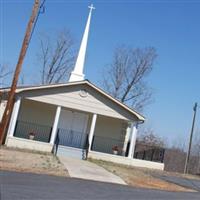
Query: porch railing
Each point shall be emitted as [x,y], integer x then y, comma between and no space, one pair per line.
[41,132]
[154,154]
[71,138]
[106,145]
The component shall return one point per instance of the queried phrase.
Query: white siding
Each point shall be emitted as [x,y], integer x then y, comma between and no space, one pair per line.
[70,97]
[39,113]
[108,132]
[109,127]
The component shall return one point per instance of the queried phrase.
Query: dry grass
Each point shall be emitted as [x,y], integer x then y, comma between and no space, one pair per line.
[140,177]
[30,161]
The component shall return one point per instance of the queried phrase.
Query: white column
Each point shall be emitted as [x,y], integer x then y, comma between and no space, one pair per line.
[92,128]
[14,116]
[55,125]
[132,141]
[126,138]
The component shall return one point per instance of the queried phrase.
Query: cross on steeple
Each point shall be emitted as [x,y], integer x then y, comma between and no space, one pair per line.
[91,7]
[77,73]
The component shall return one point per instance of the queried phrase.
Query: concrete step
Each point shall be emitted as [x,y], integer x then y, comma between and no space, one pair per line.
[71,152]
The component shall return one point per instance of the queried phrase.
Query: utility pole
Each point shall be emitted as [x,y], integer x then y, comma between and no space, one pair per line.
[11,95]
[190,142]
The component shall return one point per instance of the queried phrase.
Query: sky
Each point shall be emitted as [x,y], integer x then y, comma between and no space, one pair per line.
[172,27]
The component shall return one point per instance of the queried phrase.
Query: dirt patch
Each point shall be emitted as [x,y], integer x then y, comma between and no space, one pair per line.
[29,161]
[139,177]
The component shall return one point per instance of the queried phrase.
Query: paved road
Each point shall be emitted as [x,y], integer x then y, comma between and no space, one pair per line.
[19,186]
[86,170]
[185,182]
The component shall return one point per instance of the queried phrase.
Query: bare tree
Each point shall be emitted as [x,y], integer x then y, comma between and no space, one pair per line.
[175,156]
[56,57]
[125,77]
[4,74]
[194,162]
[148,137]
[151,140]
[174,159]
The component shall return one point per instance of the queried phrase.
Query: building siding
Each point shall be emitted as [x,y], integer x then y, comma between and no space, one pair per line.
[70,97]
[109,132]
[108,127]
[34,112]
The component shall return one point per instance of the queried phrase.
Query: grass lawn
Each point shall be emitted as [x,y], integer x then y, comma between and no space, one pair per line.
[30,161]
[140,177]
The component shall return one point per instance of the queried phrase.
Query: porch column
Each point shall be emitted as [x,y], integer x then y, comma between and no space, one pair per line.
[14,116]
[55,125]
[126,138]
[92,128]
[132,141]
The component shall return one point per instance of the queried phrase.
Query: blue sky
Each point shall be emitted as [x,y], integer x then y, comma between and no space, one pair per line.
[172,27]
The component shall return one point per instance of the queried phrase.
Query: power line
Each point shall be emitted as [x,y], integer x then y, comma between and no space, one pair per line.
[40,11]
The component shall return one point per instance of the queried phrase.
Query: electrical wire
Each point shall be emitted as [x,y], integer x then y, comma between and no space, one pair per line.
[41,11]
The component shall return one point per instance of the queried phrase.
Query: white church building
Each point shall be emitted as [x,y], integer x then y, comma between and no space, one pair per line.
[75,119]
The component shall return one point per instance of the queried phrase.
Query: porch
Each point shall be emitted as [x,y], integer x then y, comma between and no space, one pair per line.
[75,139]
[65,128]
[50,128]
[69,138]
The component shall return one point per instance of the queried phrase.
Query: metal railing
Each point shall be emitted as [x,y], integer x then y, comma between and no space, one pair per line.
[106,145]
[155,155]
[40,132]
[71,138]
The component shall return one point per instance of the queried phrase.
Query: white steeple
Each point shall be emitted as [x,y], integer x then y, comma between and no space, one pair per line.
[77,73]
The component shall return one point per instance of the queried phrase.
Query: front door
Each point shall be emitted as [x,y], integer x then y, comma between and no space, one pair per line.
[72,129]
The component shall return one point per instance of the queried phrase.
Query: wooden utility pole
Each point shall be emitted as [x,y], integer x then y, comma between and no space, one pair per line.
[25,44]
[190,142]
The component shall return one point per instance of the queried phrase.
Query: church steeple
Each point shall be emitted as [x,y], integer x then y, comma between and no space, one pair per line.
[77,73]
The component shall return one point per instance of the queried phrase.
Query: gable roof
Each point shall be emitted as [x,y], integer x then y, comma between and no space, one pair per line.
[86,82]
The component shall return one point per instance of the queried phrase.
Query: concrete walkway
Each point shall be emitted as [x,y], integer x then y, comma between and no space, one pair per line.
[90,171]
